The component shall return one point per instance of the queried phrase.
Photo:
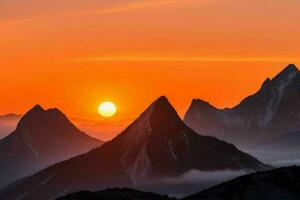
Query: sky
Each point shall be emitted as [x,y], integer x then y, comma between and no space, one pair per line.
[75,54]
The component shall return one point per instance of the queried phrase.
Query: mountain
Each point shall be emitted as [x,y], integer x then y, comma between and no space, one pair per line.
[271,112]
[156,145]
[42,137]
[278,184]
[115,194]
[8,123]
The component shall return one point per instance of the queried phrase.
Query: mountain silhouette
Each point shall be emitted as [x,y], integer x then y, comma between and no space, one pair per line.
[156,145]
[115,194]
[42,137]
[277,184]
[271,112]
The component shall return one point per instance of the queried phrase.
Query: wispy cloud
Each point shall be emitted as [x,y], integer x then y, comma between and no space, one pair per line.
[196,176]
[131,6]
[121,7]
[185,59]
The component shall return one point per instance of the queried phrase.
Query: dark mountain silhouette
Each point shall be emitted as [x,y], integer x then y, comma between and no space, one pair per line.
[115,194]
[277,184]
[273,111]
[157,144]
[42,137]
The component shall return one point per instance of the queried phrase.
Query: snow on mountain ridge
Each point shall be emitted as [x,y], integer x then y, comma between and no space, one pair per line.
[279,87]
[268,110]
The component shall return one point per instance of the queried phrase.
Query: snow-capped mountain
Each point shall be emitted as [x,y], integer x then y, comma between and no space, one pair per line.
[277,184]
[42,137]
[156,145]
[272,111]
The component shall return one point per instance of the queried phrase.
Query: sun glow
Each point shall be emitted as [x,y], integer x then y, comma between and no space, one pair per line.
[107,109]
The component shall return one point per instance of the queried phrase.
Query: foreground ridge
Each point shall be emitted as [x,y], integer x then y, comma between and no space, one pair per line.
[278,184]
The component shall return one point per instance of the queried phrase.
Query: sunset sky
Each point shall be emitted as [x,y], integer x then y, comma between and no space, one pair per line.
[75,54]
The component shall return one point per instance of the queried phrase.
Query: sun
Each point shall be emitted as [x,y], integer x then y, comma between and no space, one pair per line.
[107,109]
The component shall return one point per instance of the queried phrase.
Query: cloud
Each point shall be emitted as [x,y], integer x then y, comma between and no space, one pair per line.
[191,182]
[40,10]
[130,6]
[286,163]
[184,59]
[196,176]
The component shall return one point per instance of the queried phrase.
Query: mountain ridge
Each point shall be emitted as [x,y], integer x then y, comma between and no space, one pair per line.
[157,144]
[42,137]
[270,112]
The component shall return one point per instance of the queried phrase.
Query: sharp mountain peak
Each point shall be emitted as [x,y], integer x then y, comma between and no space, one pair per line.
[287,73]
[162,107]
[161,102]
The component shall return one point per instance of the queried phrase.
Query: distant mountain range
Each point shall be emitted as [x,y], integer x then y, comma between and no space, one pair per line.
[9,117]
[8,123]
[156,145]
[278,184]
[272,112]
[42,137]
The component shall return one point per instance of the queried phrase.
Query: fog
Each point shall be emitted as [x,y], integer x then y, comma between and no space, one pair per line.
[191,182]
[277,158]
[195,181]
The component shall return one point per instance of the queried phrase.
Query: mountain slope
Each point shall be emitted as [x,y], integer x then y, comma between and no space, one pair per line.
[273,111]
[42,137]
[157,144]
[276,184]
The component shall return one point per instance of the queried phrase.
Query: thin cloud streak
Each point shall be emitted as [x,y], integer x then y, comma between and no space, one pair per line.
[184,59]
[115,9]
[128,7]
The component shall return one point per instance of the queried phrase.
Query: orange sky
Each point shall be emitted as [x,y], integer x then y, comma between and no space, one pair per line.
[73,54]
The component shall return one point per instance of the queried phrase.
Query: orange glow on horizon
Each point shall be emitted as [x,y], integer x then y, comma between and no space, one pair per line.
[78,54]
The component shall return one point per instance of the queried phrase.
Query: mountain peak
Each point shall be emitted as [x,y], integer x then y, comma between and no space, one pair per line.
[287,73]
[37,107]
[38,116]
[161,101]
[162,108]
[37,112]
[292,67]
[200,102]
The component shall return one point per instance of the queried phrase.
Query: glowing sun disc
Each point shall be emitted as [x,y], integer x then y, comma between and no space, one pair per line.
[107,109]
